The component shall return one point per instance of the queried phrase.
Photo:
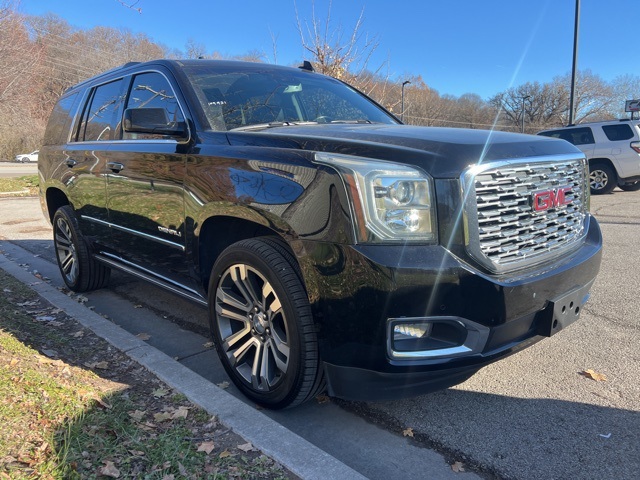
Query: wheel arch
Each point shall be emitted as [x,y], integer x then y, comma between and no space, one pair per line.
[55,198]
[211,243]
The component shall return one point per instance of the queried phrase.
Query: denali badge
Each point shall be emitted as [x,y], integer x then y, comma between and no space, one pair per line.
[546,199]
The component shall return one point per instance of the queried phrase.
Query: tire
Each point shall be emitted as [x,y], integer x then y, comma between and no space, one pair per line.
[630,187]
[80,271]
[262,326]
[602,179]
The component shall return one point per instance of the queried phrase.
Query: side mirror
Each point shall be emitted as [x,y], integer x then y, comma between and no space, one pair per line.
[153,121]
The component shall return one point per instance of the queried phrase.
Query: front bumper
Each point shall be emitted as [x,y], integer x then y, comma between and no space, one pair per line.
[355,290]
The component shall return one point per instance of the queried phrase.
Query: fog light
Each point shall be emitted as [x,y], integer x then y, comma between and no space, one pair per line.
[411,336]
[413,330]
[434,337]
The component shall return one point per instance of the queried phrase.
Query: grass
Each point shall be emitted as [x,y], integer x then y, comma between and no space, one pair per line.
[73,407]
[26,185]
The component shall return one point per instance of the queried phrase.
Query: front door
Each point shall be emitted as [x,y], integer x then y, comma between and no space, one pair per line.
[145,189]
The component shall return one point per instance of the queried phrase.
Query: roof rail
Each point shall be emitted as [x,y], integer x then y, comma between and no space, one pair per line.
[115,69]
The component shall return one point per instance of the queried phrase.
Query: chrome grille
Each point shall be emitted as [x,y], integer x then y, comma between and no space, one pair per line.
[505,231]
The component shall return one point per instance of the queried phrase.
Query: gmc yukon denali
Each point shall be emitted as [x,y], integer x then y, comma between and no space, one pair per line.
[334,247]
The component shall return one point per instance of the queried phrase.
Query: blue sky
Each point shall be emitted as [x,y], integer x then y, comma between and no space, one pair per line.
[457,46]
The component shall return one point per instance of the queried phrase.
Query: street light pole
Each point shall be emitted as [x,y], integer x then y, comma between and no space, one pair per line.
[525,97]
[576,32]
[406,82]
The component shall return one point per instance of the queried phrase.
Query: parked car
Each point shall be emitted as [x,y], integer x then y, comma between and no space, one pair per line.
[27,157]
[612,149]
[334,247]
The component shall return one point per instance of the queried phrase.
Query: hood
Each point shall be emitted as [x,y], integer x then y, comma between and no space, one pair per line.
[443,152]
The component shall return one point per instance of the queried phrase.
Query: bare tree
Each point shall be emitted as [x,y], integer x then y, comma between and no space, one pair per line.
[547,105]
[341,55]
[19,57]
[625,87]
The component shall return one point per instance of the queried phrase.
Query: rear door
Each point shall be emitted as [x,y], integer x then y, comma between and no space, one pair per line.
[618,148]
[85,157]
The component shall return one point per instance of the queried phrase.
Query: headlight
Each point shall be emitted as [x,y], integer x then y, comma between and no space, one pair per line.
[391,201]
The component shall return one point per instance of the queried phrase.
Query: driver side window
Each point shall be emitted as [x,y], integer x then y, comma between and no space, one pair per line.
[152,90]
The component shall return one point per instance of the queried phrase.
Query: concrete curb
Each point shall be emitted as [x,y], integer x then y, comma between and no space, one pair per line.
[295,453]
[8,194]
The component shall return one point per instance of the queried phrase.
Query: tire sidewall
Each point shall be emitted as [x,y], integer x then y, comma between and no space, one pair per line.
[63,215]
[290,384]
[630,187]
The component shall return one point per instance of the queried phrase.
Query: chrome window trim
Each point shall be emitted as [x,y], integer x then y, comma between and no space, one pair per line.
[86,94]
[135,232]
[471,220]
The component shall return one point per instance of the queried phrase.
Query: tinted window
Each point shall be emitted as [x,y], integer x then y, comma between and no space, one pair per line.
[57,132]
[104,107]
[577,136]
[238,98]
[152,90]
[618,132]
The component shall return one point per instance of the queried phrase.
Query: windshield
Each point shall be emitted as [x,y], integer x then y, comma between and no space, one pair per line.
[259,97]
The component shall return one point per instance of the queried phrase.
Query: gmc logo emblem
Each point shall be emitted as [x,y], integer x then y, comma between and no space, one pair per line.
[546,199]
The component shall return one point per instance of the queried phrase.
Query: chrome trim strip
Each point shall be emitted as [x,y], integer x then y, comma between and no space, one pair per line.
[135,232]
[477,336]
[149,276]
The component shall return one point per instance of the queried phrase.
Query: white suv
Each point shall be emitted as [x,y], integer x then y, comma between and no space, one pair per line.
[613,151]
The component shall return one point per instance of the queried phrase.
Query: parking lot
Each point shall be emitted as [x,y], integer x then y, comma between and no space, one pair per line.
[533,415]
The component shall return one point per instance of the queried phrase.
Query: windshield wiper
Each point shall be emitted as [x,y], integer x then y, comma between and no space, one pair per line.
[257,126]
[363,121]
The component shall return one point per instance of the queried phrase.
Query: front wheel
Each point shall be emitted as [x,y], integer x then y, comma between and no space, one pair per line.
[602,179]
[262,325]
[630,187]
[80,271]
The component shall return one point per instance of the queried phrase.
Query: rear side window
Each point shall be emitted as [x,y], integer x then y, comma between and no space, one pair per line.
[153,90]
[57,132]
[104,107]
[577,136]
[618,132]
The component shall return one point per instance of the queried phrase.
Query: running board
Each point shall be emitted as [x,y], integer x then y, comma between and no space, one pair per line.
[151,278]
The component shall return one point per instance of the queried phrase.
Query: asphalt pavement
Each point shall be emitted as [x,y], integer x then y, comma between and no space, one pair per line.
[8,170]
[530,416]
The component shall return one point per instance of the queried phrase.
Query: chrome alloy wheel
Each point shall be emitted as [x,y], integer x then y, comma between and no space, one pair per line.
[66,250]
[598,179]
[252,326]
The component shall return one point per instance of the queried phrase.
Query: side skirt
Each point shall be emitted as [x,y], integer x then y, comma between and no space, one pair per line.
[116,262]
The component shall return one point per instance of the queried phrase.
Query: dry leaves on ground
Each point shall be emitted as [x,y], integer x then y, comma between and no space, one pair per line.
[593,375]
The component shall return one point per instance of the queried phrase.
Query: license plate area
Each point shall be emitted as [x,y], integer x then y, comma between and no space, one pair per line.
[563,311]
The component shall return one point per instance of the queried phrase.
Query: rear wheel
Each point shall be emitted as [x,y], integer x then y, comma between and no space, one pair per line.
[630,187]
[602,178]
[262,325]
[79,270]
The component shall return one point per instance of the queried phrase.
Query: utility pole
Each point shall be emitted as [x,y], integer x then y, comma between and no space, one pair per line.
[406,82]
[576,34]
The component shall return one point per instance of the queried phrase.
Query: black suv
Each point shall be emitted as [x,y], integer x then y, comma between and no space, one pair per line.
[333,246]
